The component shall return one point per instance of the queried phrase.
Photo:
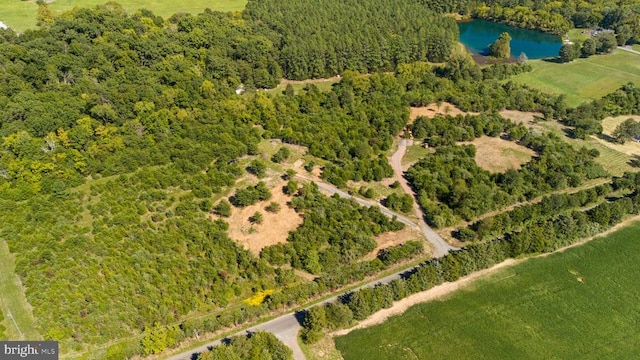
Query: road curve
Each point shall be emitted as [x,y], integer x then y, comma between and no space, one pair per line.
[286,327]
[628,49]
[440,247]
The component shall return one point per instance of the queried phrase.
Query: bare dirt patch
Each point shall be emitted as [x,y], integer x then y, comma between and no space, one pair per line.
[432,110]
[526,118]
[497,155]
[608,126]
[388,239]
[274,228]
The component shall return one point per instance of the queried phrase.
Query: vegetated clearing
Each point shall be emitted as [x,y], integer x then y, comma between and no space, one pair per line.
[323,84]
[526,118]
[21,15]
[608,126]
[434,109]
[413,154]
[583,79]
[615,162]
[274,228]
[388,239]
[497,155]
[13,300]
[580,303]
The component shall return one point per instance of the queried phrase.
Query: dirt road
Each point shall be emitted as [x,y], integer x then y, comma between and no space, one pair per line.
[440,247]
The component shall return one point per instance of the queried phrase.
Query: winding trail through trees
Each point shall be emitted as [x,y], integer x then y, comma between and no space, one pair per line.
[440,247]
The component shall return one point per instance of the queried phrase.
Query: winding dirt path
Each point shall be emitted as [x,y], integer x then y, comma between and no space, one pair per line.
[440,247]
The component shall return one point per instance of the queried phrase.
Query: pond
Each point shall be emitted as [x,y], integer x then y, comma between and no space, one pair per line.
[476,35]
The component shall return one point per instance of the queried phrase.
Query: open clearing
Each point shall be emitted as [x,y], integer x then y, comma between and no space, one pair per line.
[526,118]
[583,79]
[274,228]
[577,304]
[497,155]
[432,110]
[615,162]
[608,126]
[21,15]
[388,239]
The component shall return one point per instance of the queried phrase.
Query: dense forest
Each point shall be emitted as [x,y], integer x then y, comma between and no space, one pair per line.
[332,36]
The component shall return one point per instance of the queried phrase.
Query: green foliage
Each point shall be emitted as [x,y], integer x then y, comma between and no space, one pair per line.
[282,154]
[223,208]
[501,48]
[251,195]
[402,203]
[256,218]
[627,130]
[373,37]
[273,207]
[257,167]
[335,232]
[258,345]
[569,52]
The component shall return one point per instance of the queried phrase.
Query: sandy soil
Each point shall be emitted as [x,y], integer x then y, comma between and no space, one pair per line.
[497,155]
[608,126]
[439,291]
[528,119]
[432,110]
[388,239]
[274,228]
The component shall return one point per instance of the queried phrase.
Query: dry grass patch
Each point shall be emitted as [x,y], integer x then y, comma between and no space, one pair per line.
[388,239]
[608,126]
[274,228]
[526,118]
[497,155]
[432,110]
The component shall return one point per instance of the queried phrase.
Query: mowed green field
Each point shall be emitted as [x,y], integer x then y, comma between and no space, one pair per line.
[21,15]
[583,79]
[582,303]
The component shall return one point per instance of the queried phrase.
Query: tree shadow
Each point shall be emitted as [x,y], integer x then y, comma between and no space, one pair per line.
[300,315]
[635,161]
[554,60]
[606,137]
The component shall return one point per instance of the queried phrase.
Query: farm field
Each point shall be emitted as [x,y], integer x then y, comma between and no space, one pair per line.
[577,304]
[21,15]
[583,79]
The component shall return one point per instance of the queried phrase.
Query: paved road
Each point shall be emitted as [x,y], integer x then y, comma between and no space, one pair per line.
[628,49]
[440,247]
[286,327]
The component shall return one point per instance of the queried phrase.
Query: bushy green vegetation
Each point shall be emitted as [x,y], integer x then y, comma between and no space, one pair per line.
[258,345]
[580,303]
[450,184]
[335,232]
[541,236]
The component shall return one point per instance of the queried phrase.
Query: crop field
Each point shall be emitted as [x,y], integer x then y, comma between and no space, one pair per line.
[578,304]
[21,15]
[583,79]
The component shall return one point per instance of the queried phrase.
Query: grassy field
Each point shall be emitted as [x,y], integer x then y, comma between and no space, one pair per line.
[578,304]
[583,79]
[612,160]
[14,301]
[21,15]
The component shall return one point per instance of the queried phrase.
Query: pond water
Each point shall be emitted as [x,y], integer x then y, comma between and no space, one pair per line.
[476,35]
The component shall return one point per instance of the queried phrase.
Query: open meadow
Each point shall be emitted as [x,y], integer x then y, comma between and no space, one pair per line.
[21,15]
[583,79]
[577,304]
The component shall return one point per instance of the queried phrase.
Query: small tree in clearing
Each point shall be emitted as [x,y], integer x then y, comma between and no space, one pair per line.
[256,218]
